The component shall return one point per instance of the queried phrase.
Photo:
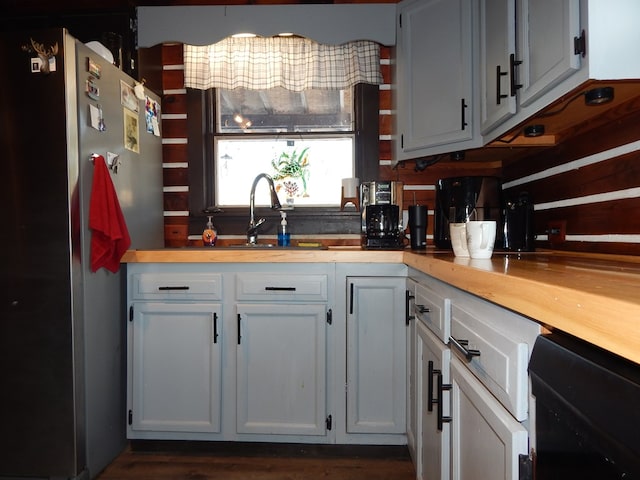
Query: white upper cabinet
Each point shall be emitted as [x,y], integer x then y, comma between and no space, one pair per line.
[549,32]
[435,78]
[526,50]
[497,44]
[532,52]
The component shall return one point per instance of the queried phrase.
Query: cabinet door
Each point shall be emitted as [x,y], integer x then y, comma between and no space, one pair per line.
[281,369]
[486,439]
[435,76]
[376,355]
[546,32]
[435,439]
[175,367]
[497,44]
[413,381]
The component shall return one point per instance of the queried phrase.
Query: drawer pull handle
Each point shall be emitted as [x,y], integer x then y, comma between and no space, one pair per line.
[441,388]
[422,309]
[407,302]
[461,345]
[215,327]
[178,287]
[499,75]
[280,289]
[432,373]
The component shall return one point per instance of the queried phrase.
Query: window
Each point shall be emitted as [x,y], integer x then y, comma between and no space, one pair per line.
[304,140]
[232,218]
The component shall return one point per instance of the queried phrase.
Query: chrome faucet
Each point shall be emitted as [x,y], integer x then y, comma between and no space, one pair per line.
[252,231]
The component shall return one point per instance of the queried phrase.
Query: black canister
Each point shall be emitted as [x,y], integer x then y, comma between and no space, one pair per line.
[418,226]
[518,224]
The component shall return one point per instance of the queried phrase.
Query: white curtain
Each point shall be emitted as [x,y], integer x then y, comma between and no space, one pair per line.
[294,63]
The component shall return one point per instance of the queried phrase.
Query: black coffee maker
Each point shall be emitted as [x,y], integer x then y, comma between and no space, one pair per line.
[381,217]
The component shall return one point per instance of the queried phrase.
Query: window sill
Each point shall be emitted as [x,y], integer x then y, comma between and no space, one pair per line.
[302,220]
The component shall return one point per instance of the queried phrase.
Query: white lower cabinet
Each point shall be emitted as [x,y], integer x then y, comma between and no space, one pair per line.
[228,352]
[413,382]
[486,440]
[175,368]
[435,436]
[376,355]
[280,369]
[473,390]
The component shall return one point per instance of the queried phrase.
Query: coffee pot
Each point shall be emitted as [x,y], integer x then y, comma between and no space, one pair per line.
[381,215]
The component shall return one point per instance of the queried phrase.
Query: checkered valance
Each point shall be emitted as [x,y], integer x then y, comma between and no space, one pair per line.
[293,63]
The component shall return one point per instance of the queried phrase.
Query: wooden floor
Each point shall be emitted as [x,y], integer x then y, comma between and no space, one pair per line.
[259,462]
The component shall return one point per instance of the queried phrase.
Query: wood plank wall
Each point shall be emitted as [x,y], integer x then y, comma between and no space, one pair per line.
[591,182]
[174,147]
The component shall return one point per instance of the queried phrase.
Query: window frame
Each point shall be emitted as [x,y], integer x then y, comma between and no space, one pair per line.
[307,220]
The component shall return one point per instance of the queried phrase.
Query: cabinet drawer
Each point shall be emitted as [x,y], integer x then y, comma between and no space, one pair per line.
[434,311]
[281,287]
[176,286]
[501,341]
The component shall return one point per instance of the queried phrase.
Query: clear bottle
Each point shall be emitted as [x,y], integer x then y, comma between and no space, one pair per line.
[284,237]
[209,235]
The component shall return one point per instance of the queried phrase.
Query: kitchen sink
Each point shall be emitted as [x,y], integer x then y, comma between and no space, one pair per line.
[271,246]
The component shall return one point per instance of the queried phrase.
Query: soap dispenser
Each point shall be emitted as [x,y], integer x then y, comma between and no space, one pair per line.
[210,234]
[284,237]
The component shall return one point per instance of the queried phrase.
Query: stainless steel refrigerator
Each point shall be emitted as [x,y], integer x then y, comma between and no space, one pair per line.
[62,343]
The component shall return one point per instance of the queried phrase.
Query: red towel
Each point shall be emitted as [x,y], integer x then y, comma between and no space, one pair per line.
[110,237]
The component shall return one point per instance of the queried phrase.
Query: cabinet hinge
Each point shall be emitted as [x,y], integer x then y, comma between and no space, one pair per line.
[130,417]
[580,44]
[131,313]
[329,316]
[328,422]
[525,466]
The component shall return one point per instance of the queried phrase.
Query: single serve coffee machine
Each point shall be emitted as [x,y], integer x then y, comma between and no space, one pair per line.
[381,204]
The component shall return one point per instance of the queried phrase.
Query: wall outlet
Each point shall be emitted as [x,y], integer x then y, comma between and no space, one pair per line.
[556,232]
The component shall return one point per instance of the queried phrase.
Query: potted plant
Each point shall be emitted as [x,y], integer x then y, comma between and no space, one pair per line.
[291,168]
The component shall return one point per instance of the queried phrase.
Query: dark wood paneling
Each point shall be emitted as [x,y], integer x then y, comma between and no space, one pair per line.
[602,247]
[150,68]
[174,153]
[619,173]
[174,128]
[384,147]
[175,177]
[385,100]
[176,201]
[386,124]
[406,172]
[172,54]
[615,216]
[617,131]
[386,74]
[174,103]
[175,235]
[173,79]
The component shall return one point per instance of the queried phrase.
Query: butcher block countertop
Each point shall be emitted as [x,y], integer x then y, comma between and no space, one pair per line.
[594,297]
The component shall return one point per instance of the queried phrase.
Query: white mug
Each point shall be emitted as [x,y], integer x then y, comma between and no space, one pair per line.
[481,236]
[458,235]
